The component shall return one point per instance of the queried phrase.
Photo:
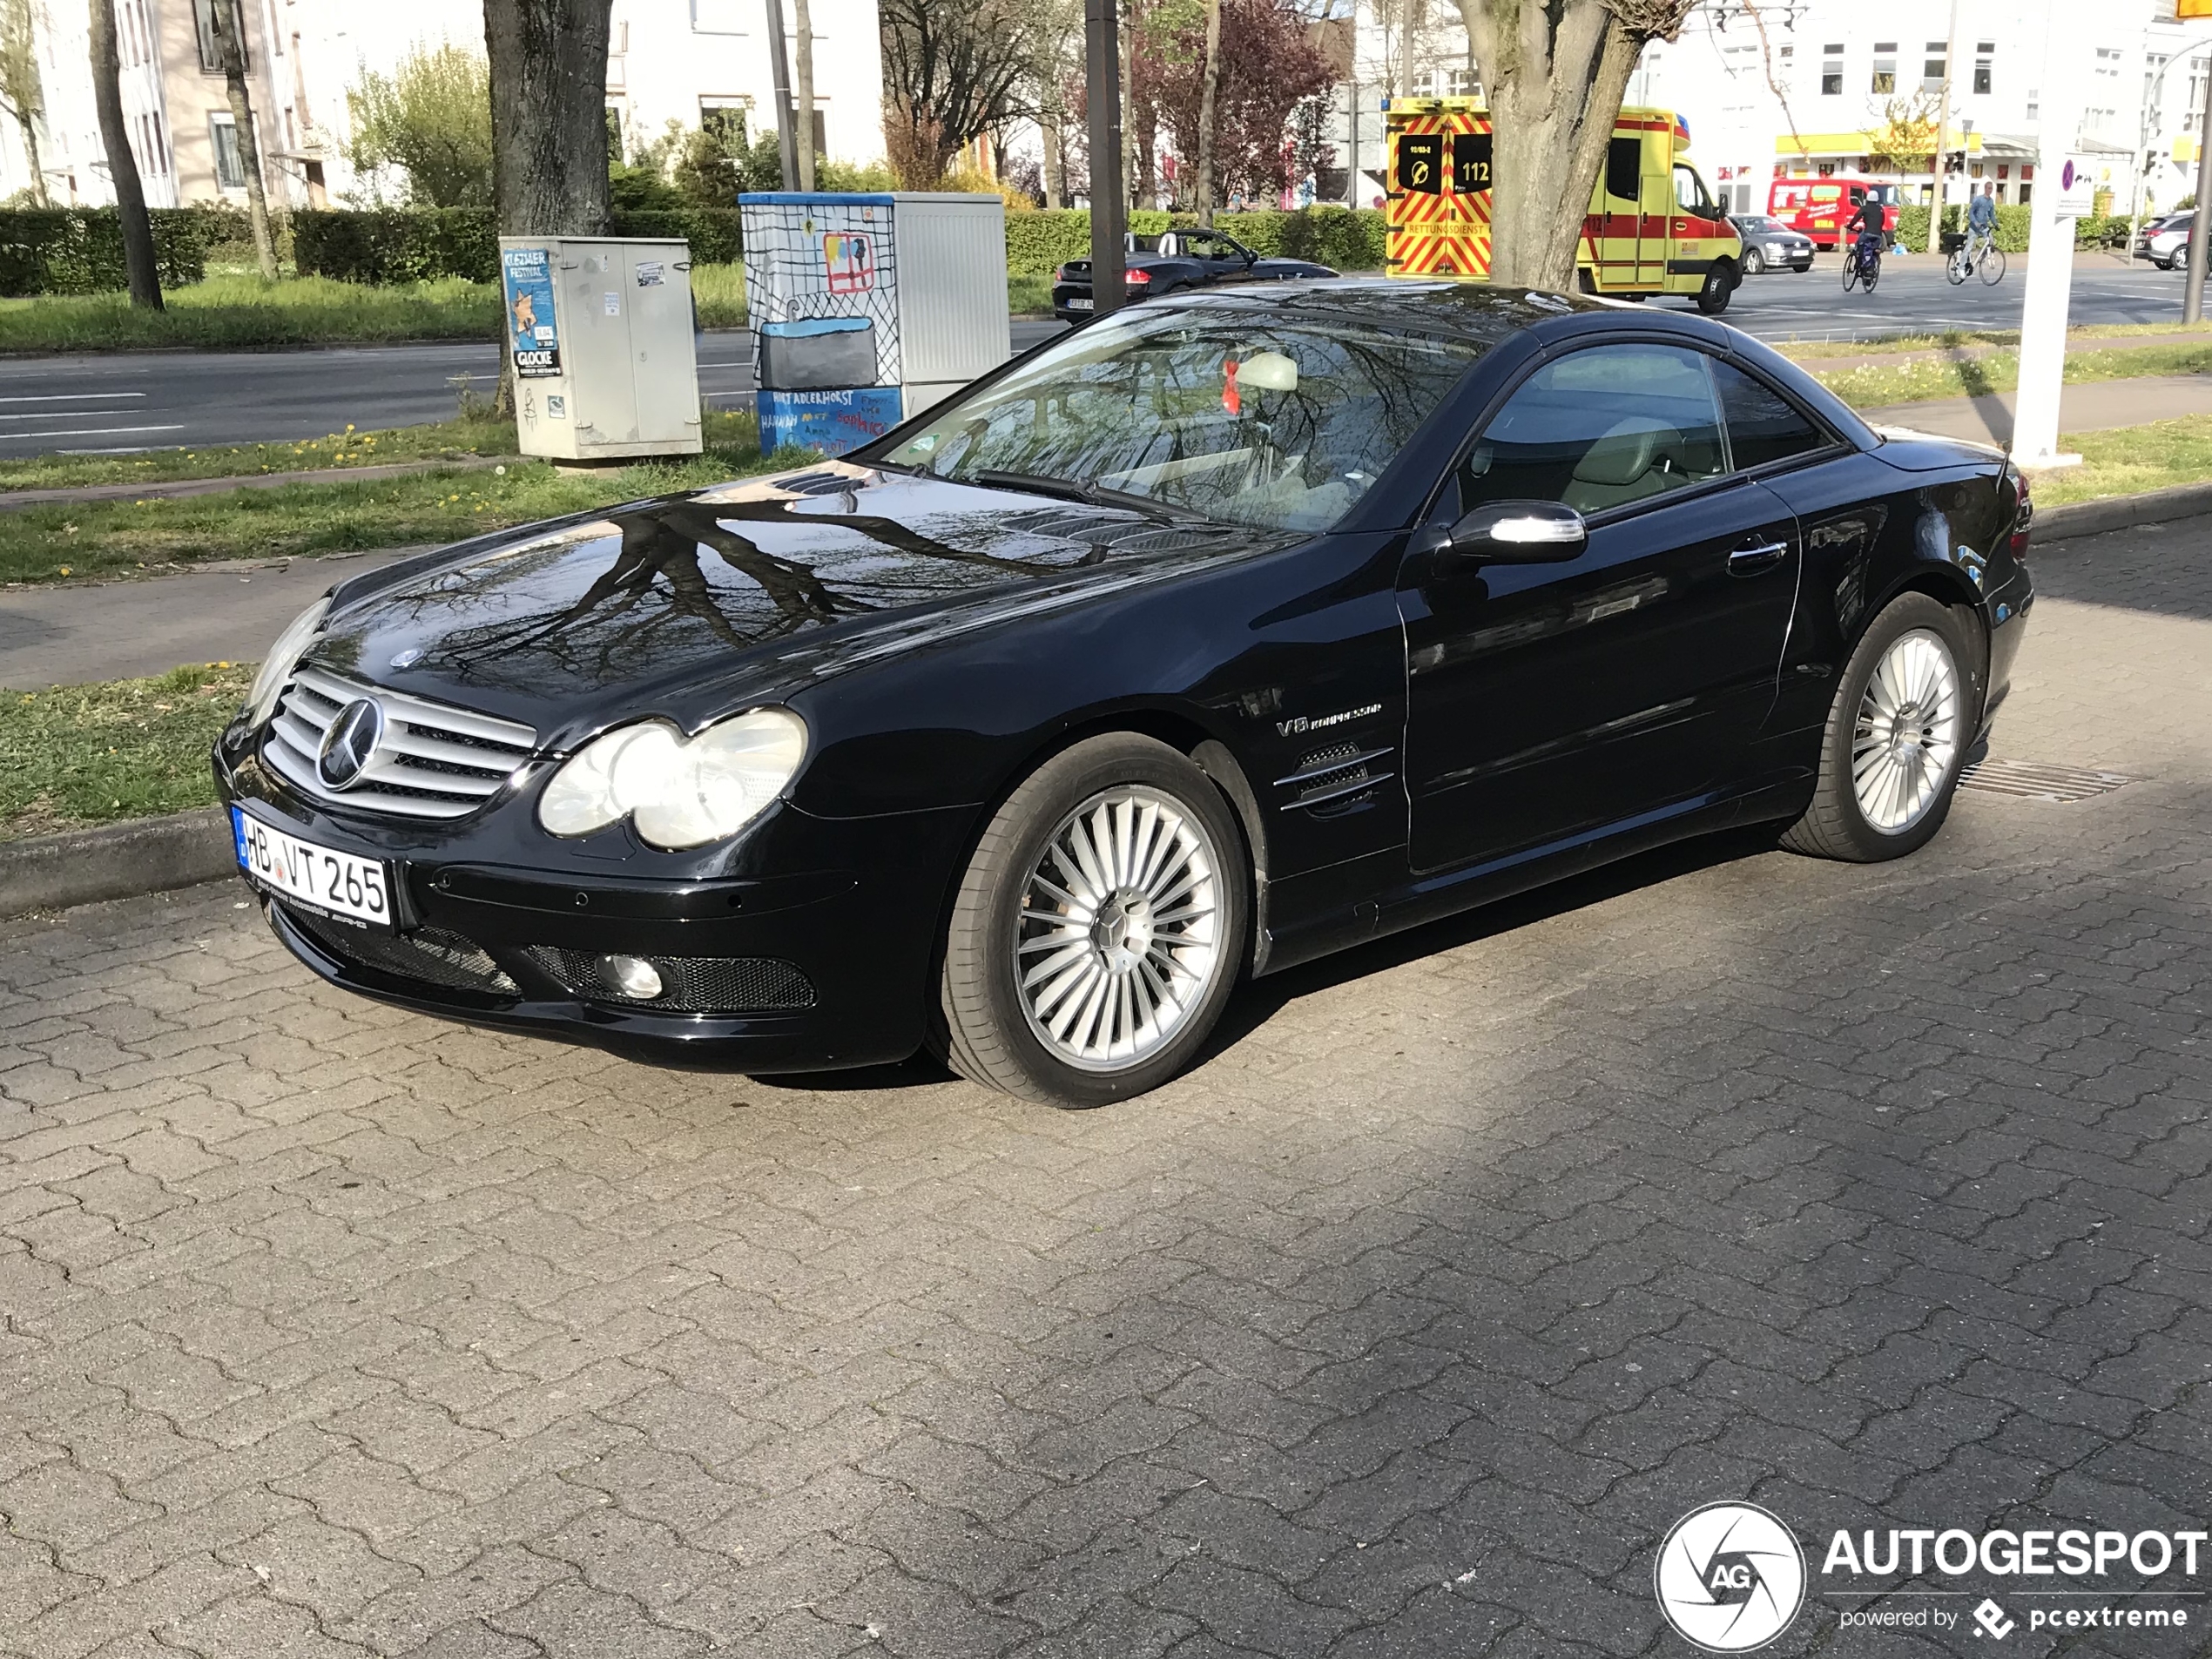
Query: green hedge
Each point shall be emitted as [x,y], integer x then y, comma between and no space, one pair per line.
[416,244]
[1349,239]
[2108,230]
[79,250]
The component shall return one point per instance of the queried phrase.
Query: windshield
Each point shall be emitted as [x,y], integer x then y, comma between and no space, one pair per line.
[1886,194]
[1756,222]
[1255,416]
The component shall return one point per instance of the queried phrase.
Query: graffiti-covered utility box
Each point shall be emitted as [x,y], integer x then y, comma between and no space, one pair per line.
[868,309]
[599,336]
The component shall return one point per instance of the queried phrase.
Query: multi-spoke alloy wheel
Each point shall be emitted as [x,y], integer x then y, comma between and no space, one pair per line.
[1907,734]
[1909,702]
[1119,938]
[1099,928]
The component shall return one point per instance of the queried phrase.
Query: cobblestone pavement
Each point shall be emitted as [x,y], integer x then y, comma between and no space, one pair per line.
[1406,1326]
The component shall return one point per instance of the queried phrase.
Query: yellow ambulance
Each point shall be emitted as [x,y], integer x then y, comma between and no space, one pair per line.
[1653,227]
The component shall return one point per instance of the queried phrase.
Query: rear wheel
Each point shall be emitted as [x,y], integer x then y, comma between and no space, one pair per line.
[1957,266]
[1099,928]
[1896,741]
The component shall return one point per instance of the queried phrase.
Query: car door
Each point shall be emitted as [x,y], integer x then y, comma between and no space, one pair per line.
[1546,701]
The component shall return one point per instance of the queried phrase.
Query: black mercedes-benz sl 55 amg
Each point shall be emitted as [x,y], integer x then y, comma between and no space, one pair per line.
[1206,638]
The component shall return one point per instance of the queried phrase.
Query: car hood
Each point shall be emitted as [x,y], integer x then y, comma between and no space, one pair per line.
[750,589]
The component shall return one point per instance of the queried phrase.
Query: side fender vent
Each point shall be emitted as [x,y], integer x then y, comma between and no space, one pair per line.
[1335,778]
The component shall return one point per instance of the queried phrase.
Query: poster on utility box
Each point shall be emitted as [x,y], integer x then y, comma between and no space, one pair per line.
[530,328]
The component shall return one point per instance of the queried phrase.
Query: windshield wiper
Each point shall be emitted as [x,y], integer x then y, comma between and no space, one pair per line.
[1067,489]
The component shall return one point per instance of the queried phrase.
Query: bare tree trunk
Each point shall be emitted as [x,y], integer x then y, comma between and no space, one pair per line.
[804,93]
[1208,88]
[1055,161]
[1553,78]
[1409,23]
[548,160]
[139,264]
[30,125]
[227,23]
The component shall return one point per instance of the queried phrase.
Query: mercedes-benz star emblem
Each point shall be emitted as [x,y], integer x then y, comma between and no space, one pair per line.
[350,743]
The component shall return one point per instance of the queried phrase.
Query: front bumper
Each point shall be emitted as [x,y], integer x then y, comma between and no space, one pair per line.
[815,952]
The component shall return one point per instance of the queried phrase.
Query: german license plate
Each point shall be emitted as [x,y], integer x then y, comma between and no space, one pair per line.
[320,877]
[1079,304]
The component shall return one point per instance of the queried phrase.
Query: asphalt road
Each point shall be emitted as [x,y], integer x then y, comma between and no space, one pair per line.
[103,403]
[1403,1328]
[106,403]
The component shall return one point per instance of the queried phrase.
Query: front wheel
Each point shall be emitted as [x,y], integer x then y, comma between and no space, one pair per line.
[1714,294]
[1851,271]
[1100,927]
[1908,705]
[1993,266]
[1754,262]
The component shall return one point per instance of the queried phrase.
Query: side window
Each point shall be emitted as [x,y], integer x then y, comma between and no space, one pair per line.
[1762,425]
[1599,429]
[1624,169]
[1689,191]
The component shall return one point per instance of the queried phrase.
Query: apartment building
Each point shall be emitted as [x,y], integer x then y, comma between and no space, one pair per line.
[693,62]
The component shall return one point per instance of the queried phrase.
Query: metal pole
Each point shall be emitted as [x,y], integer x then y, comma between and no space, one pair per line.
[1108,205]
[2193,290]
[2049,286]
[779,70]
[1943,137]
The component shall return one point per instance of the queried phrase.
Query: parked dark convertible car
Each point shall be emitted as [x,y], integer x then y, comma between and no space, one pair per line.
[1208,639]
[1175,262]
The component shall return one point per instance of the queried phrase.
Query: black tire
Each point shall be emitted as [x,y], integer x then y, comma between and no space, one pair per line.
[1993,266]
[1719,286]
[1851,271]
[1834,825]
[989,1036]
[1754,262]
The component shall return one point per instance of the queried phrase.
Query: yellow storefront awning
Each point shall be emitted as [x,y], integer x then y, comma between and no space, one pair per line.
[1859,144]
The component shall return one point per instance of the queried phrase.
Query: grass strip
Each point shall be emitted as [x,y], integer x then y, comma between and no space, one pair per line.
[77,755]
[1878,386]
[2126,461]
[1810,351]
[473,435]
[64,540]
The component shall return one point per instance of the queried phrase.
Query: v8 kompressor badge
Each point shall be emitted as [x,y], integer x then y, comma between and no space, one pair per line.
[1298,724]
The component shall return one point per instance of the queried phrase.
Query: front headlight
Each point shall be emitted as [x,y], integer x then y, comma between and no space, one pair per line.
[283,658]
[679,792]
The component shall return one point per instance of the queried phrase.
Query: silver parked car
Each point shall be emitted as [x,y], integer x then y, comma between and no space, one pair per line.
[1769,245]
[2165,242]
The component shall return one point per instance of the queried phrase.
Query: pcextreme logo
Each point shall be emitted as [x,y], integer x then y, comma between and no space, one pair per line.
[1729,1577]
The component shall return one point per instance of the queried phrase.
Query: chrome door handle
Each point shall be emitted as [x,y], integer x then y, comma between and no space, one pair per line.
[1750,561]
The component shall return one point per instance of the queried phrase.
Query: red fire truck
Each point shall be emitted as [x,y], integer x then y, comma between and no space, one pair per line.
[1821,208]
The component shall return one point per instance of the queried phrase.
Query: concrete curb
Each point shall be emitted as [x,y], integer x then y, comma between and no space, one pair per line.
[114,861]
[2118,512]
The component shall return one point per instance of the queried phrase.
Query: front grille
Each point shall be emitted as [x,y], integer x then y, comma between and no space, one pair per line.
[434,761]
[430,954]
[690,984]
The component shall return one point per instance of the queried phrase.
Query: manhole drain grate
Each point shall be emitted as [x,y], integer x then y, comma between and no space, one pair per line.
[2035,780]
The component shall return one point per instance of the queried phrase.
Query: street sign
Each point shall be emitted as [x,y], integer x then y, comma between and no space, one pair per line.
[2077,182]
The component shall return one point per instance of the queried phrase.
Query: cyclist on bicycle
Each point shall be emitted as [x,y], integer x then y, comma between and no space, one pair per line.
[1981,223]
[1869,225]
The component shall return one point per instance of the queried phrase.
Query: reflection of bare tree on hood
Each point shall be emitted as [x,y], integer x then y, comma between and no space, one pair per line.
[665,541]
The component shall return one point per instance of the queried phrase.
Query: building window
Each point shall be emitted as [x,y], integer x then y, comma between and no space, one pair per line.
[723,119]
[2035,107]
[1935,67]
[211,57]
[718,17]
[230,171]
[1831,71]
[1885,66]
[1985,59]
[160,141]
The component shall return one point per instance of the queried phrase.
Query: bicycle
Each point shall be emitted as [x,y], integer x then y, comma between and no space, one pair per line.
[1863,264]
[1975,253]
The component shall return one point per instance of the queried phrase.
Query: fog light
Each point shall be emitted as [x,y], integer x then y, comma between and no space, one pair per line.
[630,976]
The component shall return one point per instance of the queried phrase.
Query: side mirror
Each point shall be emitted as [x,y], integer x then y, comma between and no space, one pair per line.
[1515,532]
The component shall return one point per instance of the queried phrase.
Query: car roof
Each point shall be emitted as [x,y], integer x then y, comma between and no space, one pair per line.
[1472,311]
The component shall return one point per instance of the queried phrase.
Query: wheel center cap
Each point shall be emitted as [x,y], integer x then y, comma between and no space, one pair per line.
[1122,932]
